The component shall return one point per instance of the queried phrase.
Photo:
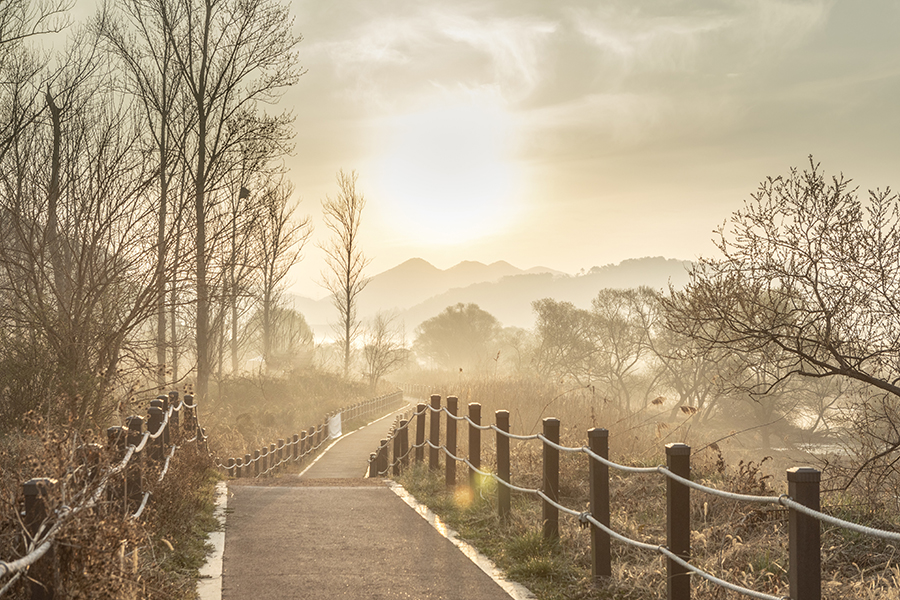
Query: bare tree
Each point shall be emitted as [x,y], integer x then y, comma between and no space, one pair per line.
[346,262]
[136,36]
[231,55]
[565,348]
[809,278]
[77,234]
[384,348]
[280,242]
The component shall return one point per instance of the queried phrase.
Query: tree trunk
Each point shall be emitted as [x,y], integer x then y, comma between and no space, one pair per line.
[202,331]
[161,259]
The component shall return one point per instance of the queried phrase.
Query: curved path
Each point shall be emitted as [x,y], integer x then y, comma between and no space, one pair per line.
[331,533]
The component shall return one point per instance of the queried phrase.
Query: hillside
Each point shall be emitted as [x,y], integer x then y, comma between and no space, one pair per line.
[417,290]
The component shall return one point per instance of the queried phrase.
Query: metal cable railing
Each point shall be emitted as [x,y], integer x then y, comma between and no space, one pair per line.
[587,517]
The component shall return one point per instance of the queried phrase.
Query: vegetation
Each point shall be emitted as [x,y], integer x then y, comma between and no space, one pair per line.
[742,543]
[101,553]
[345,259]
[149,135]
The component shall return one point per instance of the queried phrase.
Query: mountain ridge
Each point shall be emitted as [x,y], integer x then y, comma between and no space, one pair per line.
[416,290]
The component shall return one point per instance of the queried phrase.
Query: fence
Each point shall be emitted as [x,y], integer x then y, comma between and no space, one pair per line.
[802,499]
[268,460]
[122,482]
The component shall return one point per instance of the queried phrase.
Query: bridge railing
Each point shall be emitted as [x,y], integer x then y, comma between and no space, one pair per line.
[802,499]
[276,456]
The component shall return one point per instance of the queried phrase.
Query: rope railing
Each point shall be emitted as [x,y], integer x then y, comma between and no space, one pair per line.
[802,499]
[272,458]
[43,524]
[128,441]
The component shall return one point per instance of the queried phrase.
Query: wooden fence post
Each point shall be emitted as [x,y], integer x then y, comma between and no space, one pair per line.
[190,417]
[256,461]
[176,417]
[281,451]
[404,442]
[804,545]
[395,461]
[295,448]
[601,558]
[503,496]
[435,437]
[273,459]
[383,458]
[116,438]
[678,521]
[154,422]
[474,444]
[245,472]
[36,511]
[420,432]
[164,405]
[450,464]
[549,512]
[133,484]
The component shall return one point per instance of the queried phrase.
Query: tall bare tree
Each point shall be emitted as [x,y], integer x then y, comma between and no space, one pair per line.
[280,242]
[135,36]
[231,55]
[345,260]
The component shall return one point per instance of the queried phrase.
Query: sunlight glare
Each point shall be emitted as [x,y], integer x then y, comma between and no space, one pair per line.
[447,175]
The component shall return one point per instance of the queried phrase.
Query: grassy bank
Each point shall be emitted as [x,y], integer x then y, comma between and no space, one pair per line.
[742,543]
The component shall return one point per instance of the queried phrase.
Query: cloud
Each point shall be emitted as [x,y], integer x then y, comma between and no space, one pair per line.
[692,37]
[515,47]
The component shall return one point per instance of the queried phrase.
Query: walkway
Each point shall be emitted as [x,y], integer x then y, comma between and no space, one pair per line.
[331,533]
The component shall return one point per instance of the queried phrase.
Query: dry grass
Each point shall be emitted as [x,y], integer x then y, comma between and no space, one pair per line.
[742,543]
[253,411]
[100,553]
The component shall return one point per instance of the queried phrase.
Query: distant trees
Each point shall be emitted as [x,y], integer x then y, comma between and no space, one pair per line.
[344,276]
[607,347]
[287,339]
[462,337]
[384,348]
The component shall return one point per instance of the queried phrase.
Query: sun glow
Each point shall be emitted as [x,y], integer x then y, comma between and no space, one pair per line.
[447,174]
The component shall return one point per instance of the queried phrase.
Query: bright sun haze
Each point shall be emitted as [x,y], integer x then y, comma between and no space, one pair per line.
[448,174]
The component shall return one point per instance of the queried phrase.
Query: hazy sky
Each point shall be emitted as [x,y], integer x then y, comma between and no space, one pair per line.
[578,133]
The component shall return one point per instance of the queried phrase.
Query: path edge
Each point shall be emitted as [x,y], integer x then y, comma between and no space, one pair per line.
[209,585]
[516,590]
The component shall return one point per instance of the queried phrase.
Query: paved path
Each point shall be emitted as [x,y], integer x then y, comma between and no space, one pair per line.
[333,534]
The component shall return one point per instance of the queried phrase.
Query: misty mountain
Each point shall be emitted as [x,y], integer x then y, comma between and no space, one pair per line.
[417,290]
